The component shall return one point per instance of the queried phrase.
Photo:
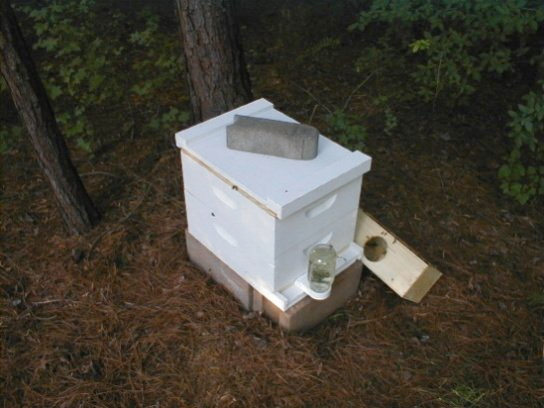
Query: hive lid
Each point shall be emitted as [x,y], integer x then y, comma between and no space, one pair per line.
[280,186]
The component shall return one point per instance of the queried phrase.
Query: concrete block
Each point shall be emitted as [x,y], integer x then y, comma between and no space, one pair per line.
[303,315]
[309,312]
[204,259]
[273,137]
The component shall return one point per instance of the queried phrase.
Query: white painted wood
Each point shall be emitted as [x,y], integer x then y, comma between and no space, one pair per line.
[284,186]
[252,254]
[400,268]
[261,214]
[271,235]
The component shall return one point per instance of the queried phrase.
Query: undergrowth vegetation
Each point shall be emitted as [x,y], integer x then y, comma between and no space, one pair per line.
[449,47]
[523,173]
[92,65]
[131,68]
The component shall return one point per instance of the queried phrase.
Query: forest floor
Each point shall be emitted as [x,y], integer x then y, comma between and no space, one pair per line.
[120,317]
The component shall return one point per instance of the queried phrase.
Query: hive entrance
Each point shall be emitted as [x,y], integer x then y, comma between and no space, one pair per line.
[375,249]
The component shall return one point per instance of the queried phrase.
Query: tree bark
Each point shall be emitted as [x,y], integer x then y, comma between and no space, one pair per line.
[34,108]
[217,76]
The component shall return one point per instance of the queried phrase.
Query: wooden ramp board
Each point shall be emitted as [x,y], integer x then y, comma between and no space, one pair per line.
[393,261]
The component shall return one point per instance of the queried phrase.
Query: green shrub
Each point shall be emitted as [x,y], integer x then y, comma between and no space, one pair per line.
[522,176]
[346,129]
[91,65]
[450,44]
[156,71]
[79,68]
[9,134]
[390,120]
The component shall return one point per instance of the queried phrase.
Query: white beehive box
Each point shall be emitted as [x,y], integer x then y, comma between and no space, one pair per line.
[261,214]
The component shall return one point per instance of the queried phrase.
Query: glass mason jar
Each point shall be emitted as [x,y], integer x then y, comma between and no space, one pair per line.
[321,267]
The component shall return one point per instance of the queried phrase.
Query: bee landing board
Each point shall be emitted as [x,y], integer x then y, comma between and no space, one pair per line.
[261,214]
[391,260]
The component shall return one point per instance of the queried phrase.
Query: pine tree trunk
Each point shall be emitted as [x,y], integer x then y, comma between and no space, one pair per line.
[217,75]
[32,103]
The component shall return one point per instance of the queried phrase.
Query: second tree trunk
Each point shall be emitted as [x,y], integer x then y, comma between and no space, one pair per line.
[217,75]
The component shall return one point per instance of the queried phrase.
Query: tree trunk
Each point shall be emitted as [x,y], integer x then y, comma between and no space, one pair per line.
[35,110]
[217,75]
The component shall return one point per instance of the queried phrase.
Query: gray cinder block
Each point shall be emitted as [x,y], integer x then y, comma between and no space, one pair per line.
[273,137]
[221,273]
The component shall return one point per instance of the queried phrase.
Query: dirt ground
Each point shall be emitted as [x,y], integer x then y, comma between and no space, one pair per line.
[120,317]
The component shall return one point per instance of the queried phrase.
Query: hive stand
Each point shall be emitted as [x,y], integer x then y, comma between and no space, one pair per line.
[303,315]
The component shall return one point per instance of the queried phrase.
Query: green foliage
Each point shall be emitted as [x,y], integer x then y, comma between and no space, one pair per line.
[346,129]
[325,43]
[9,134]
[156,69]
[450,44]
[420,45]
[88,67]
[390,119]
[522,175]
[159,63]
[79,72]
[536,299]
[465,396]
[171,119]
[390,122]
